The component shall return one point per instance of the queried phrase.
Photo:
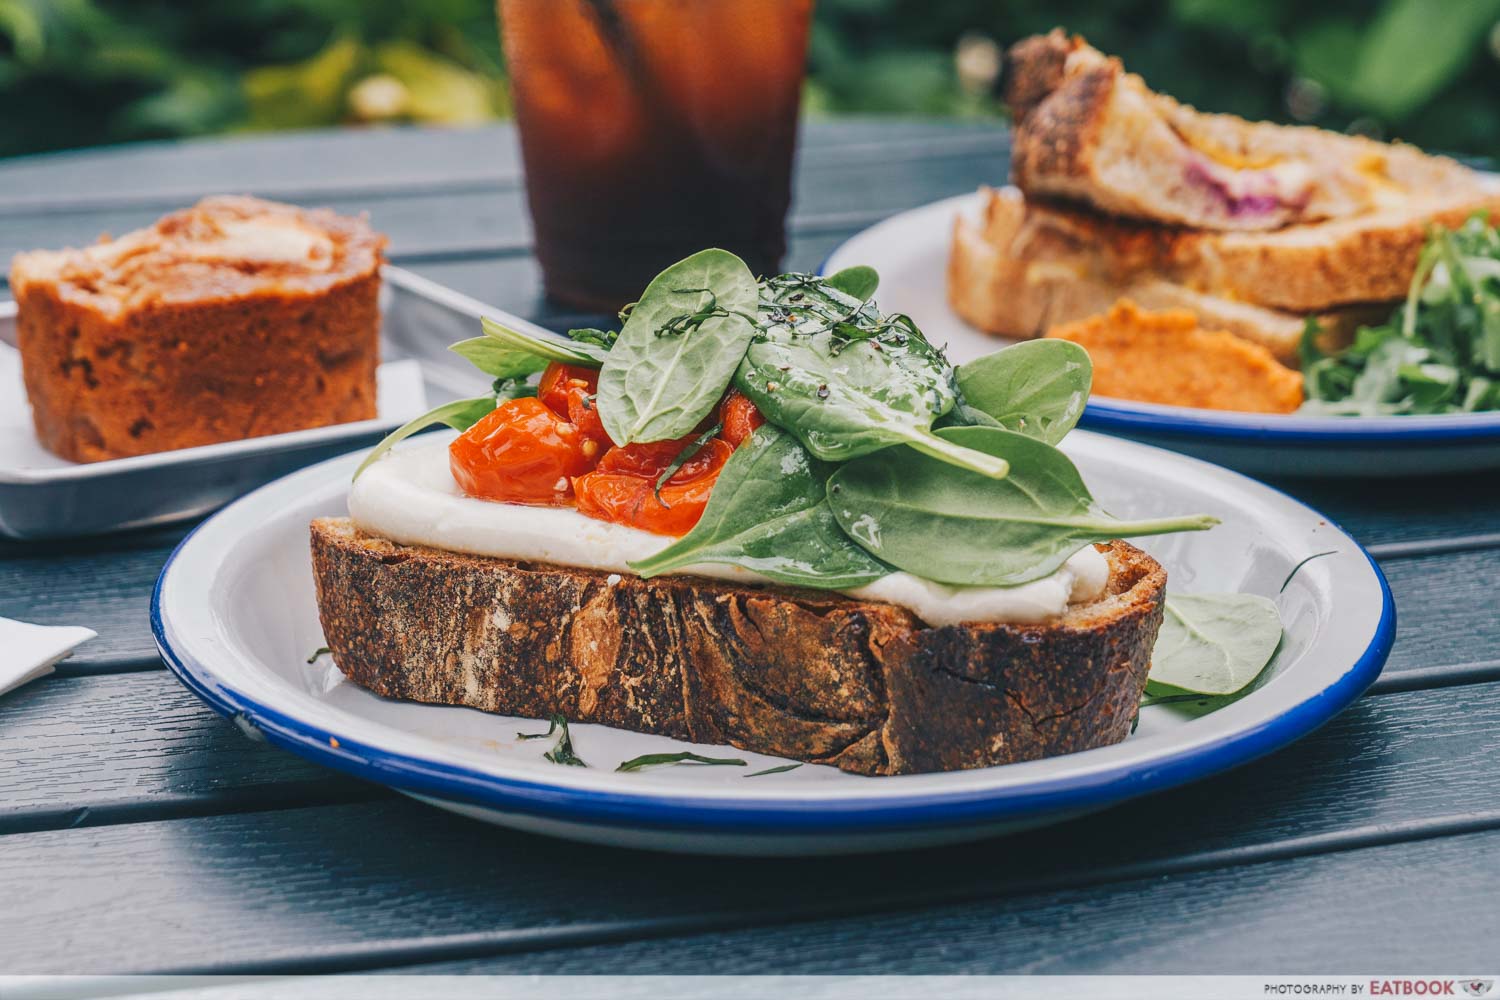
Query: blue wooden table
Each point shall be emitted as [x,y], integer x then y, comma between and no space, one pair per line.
[141,832]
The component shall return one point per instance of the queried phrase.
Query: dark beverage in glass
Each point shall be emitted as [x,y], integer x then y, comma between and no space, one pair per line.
[652,129]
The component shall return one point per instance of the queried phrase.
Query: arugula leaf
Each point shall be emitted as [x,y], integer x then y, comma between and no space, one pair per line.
[857,282]
[848,381]
[950,525]
[768,513]
[679,348]
[1037,388]
[498,359]
[1214,644]
[685,757]
[573,352]
[461,414]
[1438,353]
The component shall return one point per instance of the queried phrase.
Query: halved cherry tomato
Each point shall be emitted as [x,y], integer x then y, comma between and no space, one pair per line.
[568,391]
[623,488]
[522,452]
[739,418]
[558,378]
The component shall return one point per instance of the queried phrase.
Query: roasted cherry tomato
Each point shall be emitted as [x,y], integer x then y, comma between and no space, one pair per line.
[568,391]
[739,418]
[556,381]
[623,488]
[522,452]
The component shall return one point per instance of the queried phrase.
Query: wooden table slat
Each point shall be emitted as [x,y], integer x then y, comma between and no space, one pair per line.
[1372,911]
[352,883]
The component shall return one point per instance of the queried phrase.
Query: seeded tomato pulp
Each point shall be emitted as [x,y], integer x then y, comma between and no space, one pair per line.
[553,451]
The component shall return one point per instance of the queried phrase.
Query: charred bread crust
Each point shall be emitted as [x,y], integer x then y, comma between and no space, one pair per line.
[1061,131]
[1033,69]
[864,686]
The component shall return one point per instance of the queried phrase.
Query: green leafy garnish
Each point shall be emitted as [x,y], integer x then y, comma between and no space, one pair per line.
[1038,388]
[562,750]
[655,759]
[778,769]
[679,349]
[946,524]
[683,457]
[320,651]
[572,352]
[1214,644]
[461,414]
[768,513]
[499,359]
[857,282]
[847,381]
[1438,353]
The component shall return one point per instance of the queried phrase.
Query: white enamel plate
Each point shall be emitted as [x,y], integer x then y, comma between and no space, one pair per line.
[910,251]
[235,617]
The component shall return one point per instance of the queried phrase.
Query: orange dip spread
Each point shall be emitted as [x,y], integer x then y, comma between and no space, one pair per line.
[1166,357]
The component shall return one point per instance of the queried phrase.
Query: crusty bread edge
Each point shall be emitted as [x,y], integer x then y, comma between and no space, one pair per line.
[807,675]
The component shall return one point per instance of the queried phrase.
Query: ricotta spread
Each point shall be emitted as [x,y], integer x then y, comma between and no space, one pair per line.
[410,497]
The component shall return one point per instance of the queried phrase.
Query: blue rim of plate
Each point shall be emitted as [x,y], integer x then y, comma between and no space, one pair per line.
[1251,428]
[1078,793]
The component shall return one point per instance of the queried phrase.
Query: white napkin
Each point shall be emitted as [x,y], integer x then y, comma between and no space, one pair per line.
[31,651]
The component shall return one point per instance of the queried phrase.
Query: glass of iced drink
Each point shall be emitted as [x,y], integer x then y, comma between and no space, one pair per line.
[652,129]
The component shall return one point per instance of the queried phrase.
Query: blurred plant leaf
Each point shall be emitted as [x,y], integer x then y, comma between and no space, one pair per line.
[439,91]
[1414,49]
[303,94]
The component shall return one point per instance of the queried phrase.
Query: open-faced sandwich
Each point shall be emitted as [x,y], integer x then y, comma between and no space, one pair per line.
[1255,229]
[764,514]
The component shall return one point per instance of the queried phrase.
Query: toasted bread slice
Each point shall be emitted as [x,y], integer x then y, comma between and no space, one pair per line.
[804,674]
[1090,132]
[1021,269]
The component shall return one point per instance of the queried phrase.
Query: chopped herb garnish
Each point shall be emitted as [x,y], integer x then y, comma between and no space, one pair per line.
[692,448]
[320,651]
[562,750]
[1315,555]
[685,757]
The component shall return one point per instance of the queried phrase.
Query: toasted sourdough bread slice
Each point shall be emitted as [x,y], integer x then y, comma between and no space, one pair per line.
[1022,269]
[1089,131]
[793,673]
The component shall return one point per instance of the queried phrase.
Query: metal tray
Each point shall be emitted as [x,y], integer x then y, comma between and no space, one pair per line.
[43,496]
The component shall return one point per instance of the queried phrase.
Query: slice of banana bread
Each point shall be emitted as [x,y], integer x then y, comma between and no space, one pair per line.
[231,319]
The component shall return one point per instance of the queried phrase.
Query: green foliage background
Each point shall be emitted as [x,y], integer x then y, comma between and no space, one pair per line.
[85,72]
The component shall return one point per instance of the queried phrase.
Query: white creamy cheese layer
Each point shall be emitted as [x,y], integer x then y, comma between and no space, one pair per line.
[411,497]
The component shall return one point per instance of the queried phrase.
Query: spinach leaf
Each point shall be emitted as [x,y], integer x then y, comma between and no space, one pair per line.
[953,526]
[683,757]
[768,513]
[846,380]
[857,282]
[498,359]
[461,414]
[573,352]
[1038,388]
[679,348]
[1215,643]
